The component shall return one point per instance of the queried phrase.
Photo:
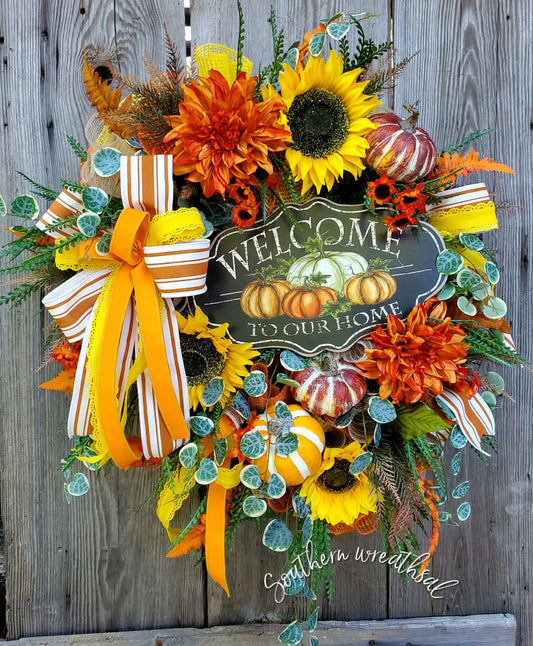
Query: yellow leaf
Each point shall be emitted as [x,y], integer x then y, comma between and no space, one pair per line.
[64,381]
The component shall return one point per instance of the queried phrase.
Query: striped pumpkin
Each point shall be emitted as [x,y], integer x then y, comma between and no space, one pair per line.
[303,462]
[329,390]
[399,149]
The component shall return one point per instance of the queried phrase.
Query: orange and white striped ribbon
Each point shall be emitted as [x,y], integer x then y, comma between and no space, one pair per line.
[66,205]
[176,270]
[472,414]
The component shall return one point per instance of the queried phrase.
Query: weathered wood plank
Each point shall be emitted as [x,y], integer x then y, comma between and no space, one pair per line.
[87,566]
[474,73]
[480,630]
[217,22]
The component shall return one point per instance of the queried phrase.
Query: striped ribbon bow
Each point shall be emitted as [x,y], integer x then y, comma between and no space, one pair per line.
[120,306]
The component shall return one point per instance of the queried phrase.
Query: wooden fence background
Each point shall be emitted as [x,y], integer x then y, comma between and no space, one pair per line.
[96,564]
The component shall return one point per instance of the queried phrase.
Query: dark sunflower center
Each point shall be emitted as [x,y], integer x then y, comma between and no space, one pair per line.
[409,199]
[201,360]
[337,479]
[383,191]
[318,122]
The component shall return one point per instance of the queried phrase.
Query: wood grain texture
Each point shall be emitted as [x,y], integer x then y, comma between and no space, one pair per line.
[96,564]
[497,630]
[474,72]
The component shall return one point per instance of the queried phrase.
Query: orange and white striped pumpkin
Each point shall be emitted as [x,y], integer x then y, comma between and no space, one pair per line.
[299,464]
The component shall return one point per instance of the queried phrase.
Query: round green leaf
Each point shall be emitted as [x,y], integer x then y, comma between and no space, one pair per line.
[187,455]
[445,408]
[293,634]
[291,361]
[492,272]
[496,381]
[449,262]
[495,308]
[277,536]
[446,292]
[338,30]
[241,405]
[220,449]
[463,511]
[276,487]
[377,434]
[254,507]
[253,445]
[94,199]
[250,477]
[309,594]
[287,445]
[3,208]
[316,44]
[457,438]
[471,241]
[88,224]
[466,306]
[307,530]
[90,453]
[381,410]
[439,491]
[490,399]
[481,291]
[312,620]
[79,485]
[301,508]
[212,392]
[67,494]
[282,411]
[461,490]
[201,425]
[345,419]
[444,516]
[208,226]
[255,384]
[103,245]
[24,206]
[286,381]
[455,463]
[360,463]
[468,279]
[294,584]
[207,472]
[106,162]
[291,57]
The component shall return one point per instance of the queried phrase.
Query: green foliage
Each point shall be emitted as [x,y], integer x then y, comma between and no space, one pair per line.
[194,520]
[461,143]
[80,444]
[39,189]
[321,578]
[278,41]
[240,40]
[485,343]
[286,175]
[366,51]
[78,149]
[334,309]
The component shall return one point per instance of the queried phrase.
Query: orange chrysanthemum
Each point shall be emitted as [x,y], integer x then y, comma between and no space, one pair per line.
[415,358]
[223,133]
[67,354]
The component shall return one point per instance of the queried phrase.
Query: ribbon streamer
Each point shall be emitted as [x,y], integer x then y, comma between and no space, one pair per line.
[120,306]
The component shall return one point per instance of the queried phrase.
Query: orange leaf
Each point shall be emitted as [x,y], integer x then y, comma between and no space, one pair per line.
[454,165]
[102,97]
[194,540]
[64,381]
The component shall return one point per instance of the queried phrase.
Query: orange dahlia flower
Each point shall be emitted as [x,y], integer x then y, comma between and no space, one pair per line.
[415,358]
[222,132]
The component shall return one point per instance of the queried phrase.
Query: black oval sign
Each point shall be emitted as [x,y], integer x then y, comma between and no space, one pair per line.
[319,277]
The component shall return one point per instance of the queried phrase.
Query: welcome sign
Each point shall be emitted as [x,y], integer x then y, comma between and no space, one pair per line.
[318,278]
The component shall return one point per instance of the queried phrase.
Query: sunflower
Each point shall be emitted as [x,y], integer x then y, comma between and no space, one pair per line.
[326,112]
[223,133]
[207,353]
[335,495]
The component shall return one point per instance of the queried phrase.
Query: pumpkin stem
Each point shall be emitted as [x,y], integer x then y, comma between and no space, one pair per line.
[409,124]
